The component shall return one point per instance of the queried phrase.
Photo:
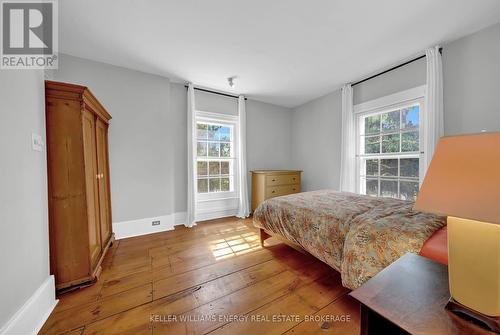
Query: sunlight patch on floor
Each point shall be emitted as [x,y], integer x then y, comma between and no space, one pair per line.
[234,245]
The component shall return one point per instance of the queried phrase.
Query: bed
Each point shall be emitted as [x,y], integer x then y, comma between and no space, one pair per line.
[355,234]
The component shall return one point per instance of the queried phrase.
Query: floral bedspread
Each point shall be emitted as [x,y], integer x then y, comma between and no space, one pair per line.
[355,234]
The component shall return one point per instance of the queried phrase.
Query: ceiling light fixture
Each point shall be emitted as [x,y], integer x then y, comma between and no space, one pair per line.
[231,81]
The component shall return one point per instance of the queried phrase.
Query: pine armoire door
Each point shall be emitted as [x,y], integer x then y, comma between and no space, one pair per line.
[91,181]
[103,172]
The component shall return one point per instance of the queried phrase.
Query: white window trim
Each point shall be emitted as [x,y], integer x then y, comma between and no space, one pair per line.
[393,101]
[224,196]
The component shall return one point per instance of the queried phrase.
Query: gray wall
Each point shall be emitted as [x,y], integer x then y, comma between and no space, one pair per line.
[266,125]
[148,141]
[316,141]
[471,70]
[141,143]
[148,134]
[317,125]
[269,136]
[147,156]
[178,156]
[471,67]
[209,102]
[403,78]
[24,245]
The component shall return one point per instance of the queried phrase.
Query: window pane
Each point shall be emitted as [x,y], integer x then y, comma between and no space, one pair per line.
[372,124]
[213,149]
[202,132]
[372,144]
[202,149]
[213,142]
[372,187]
[389,188]
[224,184]
[225,134]
[214,168]
[213,132]
[389,167]
[408,190]
[202,169]
[411,117]
[372,167]
[202,185]
[410,141]
[409,167]
[390,143]
[224,167]
[390,121]
[214,184]
[225,150]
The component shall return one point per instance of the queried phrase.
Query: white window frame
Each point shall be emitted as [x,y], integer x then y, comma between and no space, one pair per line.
[386,104]
[220,118]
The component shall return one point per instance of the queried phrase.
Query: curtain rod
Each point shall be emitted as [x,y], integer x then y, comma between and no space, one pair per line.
[214,92]
[392,68]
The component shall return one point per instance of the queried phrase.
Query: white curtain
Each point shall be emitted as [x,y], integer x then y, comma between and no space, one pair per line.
[243,204]
[191,158]
[348,144]
[434,119]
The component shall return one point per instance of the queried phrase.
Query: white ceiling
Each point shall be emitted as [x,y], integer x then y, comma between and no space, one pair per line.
[285,52]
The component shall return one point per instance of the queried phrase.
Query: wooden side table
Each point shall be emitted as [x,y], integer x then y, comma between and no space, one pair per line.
[408,297]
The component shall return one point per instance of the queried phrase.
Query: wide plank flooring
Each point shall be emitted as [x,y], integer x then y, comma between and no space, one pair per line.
[214,278]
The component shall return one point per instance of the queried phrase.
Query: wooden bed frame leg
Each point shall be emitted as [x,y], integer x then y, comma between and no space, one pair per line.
[263,236]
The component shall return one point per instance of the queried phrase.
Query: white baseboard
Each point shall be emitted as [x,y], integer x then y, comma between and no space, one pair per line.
[30,318]
[145,226]
[125,229]
[180,218]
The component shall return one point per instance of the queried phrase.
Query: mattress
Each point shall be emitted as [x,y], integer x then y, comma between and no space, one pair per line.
[355,234]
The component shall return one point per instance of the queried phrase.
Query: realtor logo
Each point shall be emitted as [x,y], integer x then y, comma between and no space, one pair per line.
[29,35]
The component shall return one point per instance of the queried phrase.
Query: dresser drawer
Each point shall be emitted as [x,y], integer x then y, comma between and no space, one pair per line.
[282,179]
[276,191]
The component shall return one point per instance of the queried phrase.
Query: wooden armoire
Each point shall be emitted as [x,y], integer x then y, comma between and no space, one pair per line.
[78,183]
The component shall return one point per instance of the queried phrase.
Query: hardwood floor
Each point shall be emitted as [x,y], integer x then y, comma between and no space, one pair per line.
[214,278]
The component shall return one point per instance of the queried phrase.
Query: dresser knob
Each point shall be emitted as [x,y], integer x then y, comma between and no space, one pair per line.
[274,180]
[273,192]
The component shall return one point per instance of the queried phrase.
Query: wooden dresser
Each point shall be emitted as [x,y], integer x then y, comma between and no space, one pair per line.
[268,184]
[78,183]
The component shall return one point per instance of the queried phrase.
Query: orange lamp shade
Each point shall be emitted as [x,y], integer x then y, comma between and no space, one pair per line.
[463,179]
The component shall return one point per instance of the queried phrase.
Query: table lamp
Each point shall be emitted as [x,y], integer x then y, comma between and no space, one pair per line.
[463,183]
